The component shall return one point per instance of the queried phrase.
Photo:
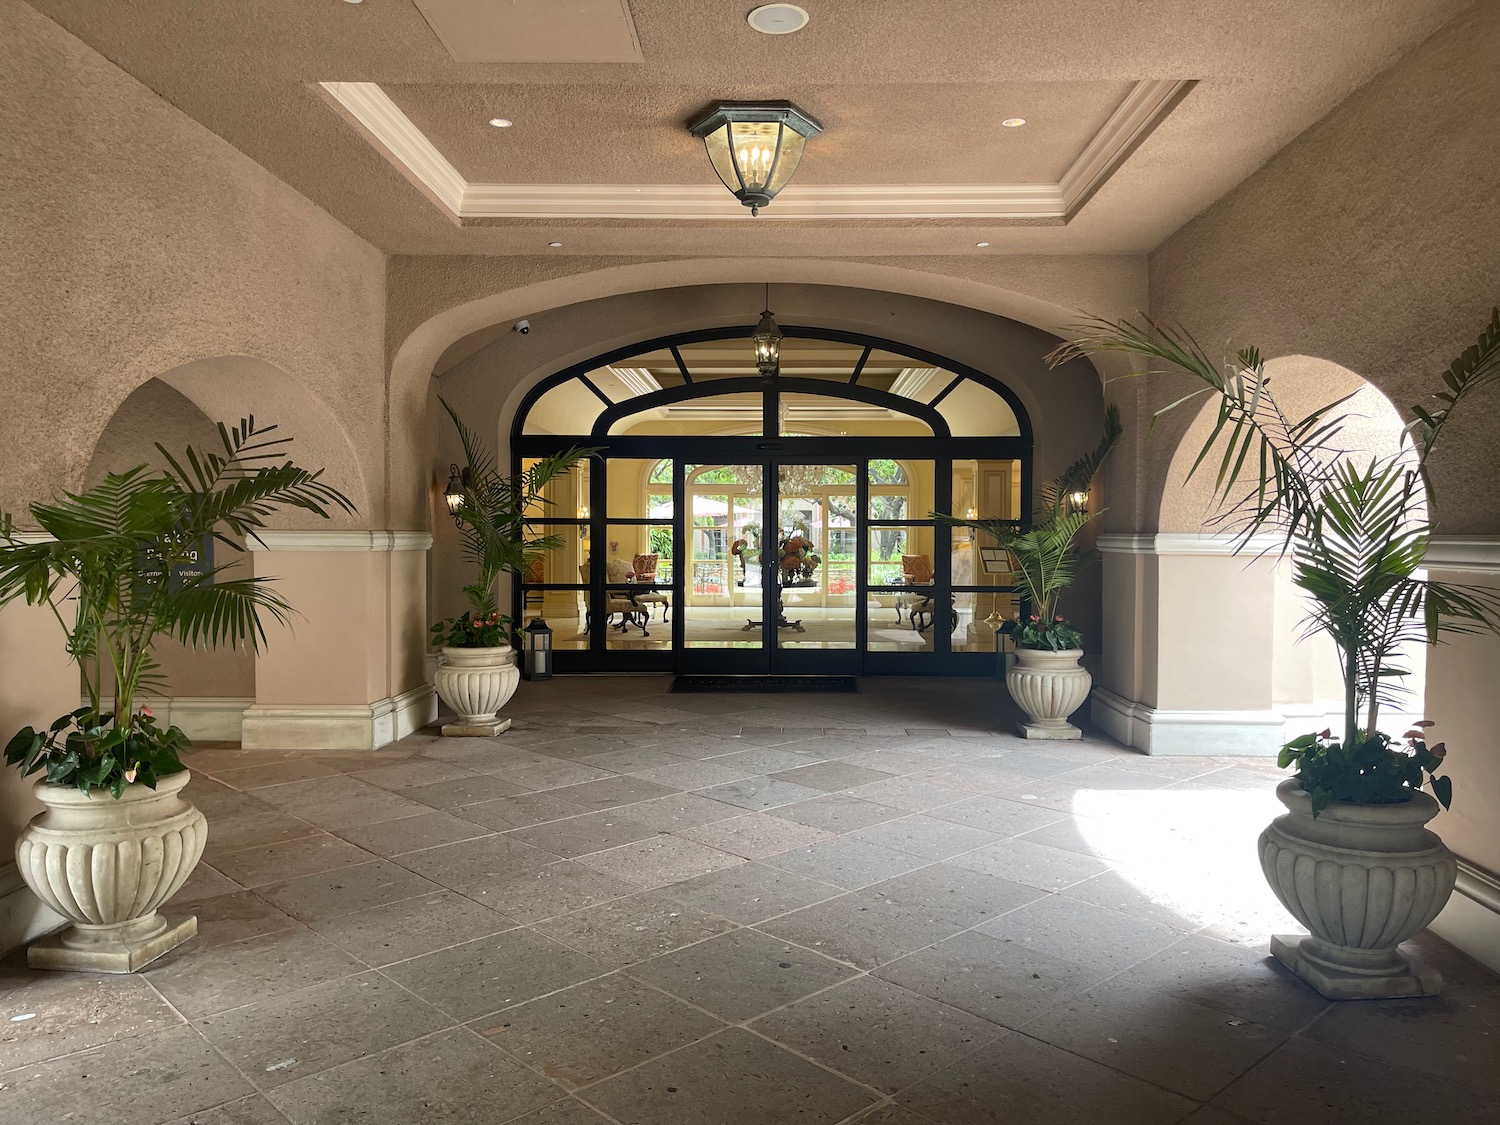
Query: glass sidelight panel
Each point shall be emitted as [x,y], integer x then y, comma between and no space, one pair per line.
[638,591]
[724,533]
[816,549]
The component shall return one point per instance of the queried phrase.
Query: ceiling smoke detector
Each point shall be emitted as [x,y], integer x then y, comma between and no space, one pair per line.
[778,19]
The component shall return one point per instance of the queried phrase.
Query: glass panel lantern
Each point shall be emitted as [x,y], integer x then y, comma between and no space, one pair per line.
[537,662]
[755,147]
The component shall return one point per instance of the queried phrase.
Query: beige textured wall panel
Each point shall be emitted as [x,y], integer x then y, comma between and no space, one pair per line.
[1213,634]
[335,650]
[1373,241]
[408,640]
[39,683]
[138,241]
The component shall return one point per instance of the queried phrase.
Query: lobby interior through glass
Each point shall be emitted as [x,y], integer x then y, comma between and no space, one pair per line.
[734,523]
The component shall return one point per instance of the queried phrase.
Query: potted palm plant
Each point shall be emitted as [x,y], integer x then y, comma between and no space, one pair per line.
[1046,679]
[478,673]
[1351,858]
[116,839]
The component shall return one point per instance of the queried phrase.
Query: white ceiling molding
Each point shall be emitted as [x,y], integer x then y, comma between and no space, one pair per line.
[1464,552]
[340,541]
[1147,104]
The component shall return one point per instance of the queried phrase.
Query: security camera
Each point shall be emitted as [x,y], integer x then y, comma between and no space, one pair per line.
[523,326]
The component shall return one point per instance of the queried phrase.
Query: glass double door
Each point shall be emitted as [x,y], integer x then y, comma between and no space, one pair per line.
[769,559]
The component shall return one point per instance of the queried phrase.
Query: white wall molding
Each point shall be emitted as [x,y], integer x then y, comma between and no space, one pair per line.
[201,718]
[1187,543]
[1187,733]
[358,726]
[1471,920]
[23,916]
[341,541]
[1479,553]
[391,131]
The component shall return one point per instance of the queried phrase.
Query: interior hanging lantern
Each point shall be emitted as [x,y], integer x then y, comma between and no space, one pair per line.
[767,340]
[755,146]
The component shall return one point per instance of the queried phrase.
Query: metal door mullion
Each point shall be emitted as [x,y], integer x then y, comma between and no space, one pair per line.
[682,551]
[942,498]
[861,562]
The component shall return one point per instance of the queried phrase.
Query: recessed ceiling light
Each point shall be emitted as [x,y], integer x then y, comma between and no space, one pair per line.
[501,122]
[981,245]
[353,1]
[778,19]
[1013,122]
[555,245]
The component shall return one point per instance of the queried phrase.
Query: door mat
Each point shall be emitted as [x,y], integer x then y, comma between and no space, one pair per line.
[767,684]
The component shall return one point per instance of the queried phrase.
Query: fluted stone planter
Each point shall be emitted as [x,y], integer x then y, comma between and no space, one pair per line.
[1362,879]
[107,865]
[477,682]
[1049,686]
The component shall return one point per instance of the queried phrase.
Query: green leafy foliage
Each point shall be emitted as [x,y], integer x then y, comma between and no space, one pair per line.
[1356,528]
[1376,771]
[114,554]
[1045,555]
[495,517]
[471,630]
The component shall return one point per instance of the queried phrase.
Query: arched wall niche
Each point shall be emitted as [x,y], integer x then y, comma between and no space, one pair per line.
[1115,286]
[1065,405]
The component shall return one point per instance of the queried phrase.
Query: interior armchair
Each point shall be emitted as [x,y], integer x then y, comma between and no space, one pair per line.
[617,573]
[645,568]
[916,570]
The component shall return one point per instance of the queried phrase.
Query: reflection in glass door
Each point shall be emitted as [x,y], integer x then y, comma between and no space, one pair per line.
[722,621]
[817,543]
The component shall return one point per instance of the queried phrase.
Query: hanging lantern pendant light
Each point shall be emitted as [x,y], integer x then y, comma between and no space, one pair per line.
[755,147]
[767,339]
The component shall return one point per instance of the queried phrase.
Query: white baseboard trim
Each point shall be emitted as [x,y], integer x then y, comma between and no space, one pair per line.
[430,662]
[202,718]
[1187,733]
[23,916]
[358,726]
[1471,920]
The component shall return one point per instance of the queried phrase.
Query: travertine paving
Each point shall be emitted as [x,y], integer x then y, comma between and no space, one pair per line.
[657,909]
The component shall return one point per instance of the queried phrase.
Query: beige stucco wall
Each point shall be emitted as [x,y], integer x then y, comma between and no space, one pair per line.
[138,241]
[38,684]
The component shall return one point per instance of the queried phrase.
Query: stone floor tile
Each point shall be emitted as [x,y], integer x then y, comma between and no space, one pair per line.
[680,810]
[1031,763]
[633,759]
[741,974]
[838,812]
[47,1014]
[410,774]
[972,972]
[412,927]
[470,789]
[832,776]
[633,929]
[760,793]
[751,892]
[861,929]
[1105,838]
[732,1077]
[998,815]
[660,860]
[520,812]
[534,893]
[1446,1037]
[205,882]
[1036,865]
[199,980]
[245,1111]
[1230,979]
[470,866]
[316,898]
[1115,891]
[1173,1044]
[484,976]
[954,895]
[1082,933]
[909,794]
[925,836]
[765,760]
[485,755]
[877,1033]
[1304,1081]
[250,823]
[846,862]
[596,1029]
[688,775]
[891,1114]
[568,1112]
[555,774]
[754,835]
[237,917]
[339,802]
[138,1081]
[451,1078]
[274,1042]
[580,835]
[413,833]
[258,775]
[291,859]
[1018,1079]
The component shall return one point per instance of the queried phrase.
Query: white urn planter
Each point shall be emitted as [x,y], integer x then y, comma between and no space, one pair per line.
[1362,879]
[107,865]
[476,683]
[1049,686]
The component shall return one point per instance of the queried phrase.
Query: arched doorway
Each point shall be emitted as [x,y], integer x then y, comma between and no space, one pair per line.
[736,523]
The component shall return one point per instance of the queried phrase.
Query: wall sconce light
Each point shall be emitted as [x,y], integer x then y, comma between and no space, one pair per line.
[971,514]
[583,522]
[453,495]
[1078,501]
[754,147]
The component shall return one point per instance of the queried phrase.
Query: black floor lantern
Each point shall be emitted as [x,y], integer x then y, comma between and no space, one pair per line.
[537,657]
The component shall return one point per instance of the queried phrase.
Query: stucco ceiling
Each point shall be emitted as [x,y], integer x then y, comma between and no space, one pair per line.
[910,93]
